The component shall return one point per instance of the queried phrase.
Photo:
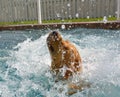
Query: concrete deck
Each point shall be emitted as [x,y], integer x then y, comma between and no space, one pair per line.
[114,25]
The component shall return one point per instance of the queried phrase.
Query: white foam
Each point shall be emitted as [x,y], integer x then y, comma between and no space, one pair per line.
[30,55]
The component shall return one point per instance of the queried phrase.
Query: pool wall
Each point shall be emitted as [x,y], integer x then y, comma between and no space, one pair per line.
[114,25]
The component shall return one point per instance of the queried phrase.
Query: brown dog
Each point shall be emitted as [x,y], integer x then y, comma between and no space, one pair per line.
[66,60]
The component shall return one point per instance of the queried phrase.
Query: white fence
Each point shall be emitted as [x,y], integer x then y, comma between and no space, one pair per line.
[27,10]
[18,10]
[118,9]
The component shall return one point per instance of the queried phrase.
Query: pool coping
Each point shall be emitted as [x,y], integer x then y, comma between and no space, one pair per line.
[113,25]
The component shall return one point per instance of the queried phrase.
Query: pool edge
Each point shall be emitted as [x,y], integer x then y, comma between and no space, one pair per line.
[113,25]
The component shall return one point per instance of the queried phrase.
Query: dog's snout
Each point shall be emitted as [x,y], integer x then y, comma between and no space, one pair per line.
[54,32]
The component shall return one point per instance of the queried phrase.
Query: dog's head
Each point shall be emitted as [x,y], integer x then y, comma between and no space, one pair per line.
[53,40]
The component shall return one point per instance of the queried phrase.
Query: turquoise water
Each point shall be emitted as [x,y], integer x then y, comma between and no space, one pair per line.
[25,61]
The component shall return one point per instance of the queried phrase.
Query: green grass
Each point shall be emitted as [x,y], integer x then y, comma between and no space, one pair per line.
[18,23]
[57,21]
[79,20]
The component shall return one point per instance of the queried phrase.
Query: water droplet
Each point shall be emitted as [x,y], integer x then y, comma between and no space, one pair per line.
[110,16]
[83,0]
[88,17]
[63,26]
[58,15]
[77,15]
[0,93]
[105,19]
[70,16]
[68,4]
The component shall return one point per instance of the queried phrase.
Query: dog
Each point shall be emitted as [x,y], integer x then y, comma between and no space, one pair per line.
[65,59]
[64,55]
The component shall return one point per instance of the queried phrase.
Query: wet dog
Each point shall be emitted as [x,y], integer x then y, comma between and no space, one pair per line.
[66,59]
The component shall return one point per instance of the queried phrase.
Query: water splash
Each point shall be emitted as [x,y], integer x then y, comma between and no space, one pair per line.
[105,19]
[28,73]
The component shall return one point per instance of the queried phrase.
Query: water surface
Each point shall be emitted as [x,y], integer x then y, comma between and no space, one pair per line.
[25,61]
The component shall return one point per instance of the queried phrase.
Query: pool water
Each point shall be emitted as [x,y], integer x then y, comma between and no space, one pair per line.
[25,61]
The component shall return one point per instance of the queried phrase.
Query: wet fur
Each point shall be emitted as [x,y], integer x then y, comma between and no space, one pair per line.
[63,54]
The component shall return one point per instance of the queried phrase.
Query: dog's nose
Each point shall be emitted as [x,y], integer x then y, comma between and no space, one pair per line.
[54,32]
